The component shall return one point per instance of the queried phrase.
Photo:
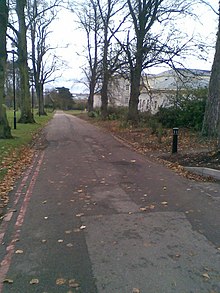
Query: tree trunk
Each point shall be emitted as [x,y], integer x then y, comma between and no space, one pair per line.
[91,96]
[104,97]
[211,123]
[5,130]
[41,100]
[26,114]
[134,96]
[135,76]
[104,89]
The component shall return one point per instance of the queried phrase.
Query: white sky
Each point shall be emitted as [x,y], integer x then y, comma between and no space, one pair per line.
[66,32]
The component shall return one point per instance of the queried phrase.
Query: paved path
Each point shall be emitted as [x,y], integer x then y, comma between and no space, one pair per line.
[91,215]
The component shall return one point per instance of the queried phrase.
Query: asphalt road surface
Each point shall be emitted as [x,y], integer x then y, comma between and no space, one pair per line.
[91,215]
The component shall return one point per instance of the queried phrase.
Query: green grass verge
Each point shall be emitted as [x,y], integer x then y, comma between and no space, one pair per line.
[74,112]
[22,136]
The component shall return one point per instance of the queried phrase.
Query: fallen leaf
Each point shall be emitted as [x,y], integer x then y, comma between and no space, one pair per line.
[19,251]
[73,283]
[60,281]
[9,281]
[143,209]
[76,230]
[136,290]
[34,281]
[68,231]
[151,207]
[80,215]
[205,275]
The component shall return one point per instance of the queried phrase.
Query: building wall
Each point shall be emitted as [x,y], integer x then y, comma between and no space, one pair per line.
[156,90]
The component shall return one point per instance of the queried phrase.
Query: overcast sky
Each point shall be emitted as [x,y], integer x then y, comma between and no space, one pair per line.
[71,40]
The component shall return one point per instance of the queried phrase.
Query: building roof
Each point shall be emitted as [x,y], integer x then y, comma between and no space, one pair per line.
[178,79]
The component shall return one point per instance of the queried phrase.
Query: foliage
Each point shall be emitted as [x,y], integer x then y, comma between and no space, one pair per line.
[119,113]
[96,113]
[188,112]
[59,98]
[79,105]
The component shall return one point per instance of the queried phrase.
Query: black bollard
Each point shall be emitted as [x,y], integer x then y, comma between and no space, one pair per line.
[175,140]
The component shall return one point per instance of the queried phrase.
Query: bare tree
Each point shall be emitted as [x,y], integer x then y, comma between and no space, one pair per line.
[89,19]
[5,131]
[108,11]
[26,113]
[211,123]
[41,15]
[145,47]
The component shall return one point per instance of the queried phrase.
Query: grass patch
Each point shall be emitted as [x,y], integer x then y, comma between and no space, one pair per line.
[22,136]
[75,112]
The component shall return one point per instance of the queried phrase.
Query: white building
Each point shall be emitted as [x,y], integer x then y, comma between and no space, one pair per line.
[156,90]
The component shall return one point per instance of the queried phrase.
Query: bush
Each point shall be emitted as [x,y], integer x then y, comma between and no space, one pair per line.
[95,113]
[119,113]
[188,113]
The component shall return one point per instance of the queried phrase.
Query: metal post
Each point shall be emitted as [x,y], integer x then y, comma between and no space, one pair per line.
[14,94]
[175,140]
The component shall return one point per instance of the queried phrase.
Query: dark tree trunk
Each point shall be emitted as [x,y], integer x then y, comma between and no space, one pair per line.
[40,96]
[5,130]
[135,76]
[134,95]
[211,123]
[104,97]
[91,96]
[105,65]
[26,114]
[104,89]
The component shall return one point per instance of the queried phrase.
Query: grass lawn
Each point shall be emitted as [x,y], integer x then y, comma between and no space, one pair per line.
[22,136]
[74,112]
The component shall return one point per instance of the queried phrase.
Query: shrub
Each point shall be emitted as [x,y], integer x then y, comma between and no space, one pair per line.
[117,113]
[189,111]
